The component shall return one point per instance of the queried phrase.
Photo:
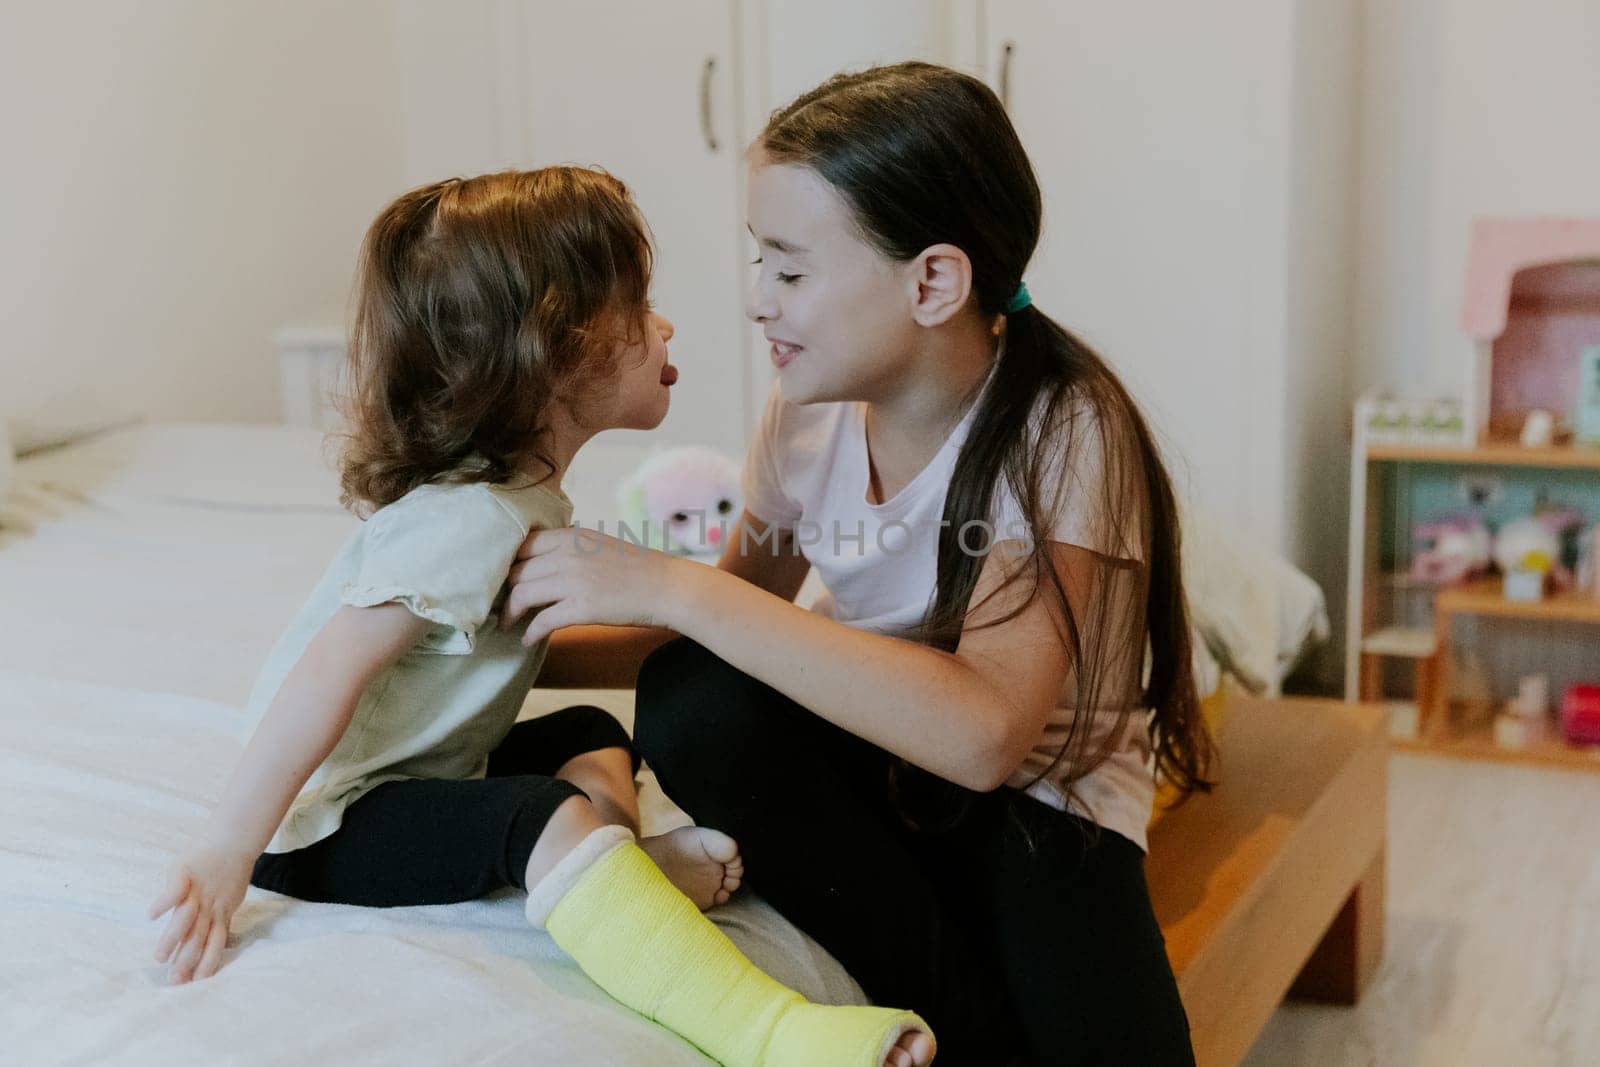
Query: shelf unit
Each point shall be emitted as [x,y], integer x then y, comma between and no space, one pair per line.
[1378,484]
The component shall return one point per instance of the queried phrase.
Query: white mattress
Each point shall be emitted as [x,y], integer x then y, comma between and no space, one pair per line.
[144,576]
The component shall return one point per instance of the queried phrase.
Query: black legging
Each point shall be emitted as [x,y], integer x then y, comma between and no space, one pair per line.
[443,840]
[1021,935]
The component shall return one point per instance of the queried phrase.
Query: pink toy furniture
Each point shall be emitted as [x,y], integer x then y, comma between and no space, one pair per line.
[1580,714]
[1532,301]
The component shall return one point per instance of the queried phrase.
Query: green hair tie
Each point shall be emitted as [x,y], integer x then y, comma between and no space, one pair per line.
[1020,299]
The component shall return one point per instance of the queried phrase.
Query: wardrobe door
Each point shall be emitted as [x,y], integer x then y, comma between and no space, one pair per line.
[1138,119]
[646,89]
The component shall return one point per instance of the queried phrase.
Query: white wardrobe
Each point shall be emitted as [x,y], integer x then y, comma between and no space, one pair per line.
[1197,162]
[667,96]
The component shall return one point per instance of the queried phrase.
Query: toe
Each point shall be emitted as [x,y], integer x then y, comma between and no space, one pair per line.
[719,846]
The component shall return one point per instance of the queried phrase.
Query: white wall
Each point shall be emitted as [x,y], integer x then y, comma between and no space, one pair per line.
[1471,108]
[181,179]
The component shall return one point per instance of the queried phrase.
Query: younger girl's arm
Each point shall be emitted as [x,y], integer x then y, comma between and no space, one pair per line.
[302,725]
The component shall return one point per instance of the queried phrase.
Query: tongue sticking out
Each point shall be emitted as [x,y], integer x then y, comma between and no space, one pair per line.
[669,374]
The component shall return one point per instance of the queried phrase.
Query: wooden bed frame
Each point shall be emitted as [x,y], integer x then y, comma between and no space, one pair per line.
[1272,885]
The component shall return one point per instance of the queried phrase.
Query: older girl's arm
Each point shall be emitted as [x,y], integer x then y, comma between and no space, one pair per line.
[609,657]
[969,716]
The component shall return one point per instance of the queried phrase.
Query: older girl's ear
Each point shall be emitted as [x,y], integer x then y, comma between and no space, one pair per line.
[941,280]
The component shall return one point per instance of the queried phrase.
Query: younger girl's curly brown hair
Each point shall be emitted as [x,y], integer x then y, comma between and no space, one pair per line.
[478,301]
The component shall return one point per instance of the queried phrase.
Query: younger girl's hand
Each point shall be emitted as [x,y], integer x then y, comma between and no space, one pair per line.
[203,891]
[573,576]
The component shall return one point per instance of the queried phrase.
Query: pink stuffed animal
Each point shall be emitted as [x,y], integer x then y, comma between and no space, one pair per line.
[1450,550]
[683,500]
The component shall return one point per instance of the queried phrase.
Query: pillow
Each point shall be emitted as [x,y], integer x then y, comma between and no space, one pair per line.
[1255,611]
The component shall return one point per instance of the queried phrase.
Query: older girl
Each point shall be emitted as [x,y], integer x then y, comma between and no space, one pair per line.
[944,772]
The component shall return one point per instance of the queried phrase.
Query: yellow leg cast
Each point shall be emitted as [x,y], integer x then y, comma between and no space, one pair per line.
[642,941]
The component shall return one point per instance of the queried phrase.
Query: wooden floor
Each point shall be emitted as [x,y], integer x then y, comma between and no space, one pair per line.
[1492,948]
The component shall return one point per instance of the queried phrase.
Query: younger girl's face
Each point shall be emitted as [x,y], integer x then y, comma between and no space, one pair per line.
[641,393]
[835,310]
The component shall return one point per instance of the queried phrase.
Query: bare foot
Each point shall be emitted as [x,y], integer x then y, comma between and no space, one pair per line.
[914,1049]
[704,864]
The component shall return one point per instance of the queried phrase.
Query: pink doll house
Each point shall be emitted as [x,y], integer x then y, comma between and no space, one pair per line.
[1532,311]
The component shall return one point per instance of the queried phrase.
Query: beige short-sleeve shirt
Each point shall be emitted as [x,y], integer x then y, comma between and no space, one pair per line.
[444,552]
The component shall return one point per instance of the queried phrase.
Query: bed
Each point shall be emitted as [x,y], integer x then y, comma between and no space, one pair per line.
[144,575]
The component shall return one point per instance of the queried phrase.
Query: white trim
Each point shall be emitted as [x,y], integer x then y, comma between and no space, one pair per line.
[553,887]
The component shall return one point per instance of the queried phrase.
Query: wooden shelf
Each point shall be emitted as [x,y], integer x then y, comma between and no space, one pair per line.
[1479,745]
[1506,455]
[1484,597]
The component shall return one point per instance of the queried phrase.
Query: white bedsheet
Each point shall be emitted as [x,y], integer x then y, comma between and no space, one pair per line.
[143,578]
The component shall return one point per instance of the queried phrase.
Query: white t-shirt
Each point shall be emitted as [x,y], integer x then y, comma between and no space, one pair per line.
[808,470]
[444,552]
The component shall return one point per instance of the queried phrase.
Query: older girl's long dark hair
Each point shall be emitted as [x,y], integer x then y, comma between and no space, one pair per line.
[925,155]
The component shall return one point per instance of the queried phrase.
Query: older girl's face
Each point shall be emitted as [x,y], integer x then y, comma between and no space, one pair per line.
[835,310]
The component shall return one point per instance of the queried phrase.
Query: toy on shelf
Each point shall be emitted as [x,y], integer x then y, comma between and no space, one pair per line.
[1526,551]
[1449,551]
[683,500]
[1529,552]
[1390,420]
[1580,714]
[1526,718]
[1539,429]
[1587,416]
[1532,311]
[1589,561]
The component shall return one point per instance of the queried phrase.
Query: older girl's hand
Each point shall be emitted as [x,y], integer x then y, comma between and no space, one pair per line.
[574,576]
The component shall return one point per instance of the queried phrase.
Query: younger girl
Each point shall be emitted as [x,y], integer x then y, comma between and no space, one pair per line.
[502,321]
[944,773]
